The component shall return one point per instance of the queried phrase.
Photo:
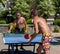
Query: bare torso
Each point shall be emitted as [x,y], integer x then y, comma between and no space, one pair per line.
[42,25]
[20,22]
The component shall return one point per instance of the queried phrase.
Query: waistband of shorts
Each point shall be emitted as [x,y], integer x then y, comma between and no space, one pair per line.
[47,34]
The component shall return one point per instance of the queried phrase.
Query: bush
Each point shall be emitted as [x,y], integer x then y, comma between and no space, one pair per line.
[57,22]
[29,21]
[56,29]
[2,22]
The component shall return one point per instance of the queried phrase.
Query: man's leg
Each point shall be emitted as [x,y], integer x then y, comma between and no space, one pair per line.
[17,32]
[47,52]
[46,45]
[47,48]
[39,49]
[21,46]
[21,31]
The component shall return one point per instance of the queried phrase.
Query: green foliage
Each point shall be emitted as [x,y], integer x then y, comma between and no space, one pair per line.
[3,9]
[2,22]
[29,21]
[23,6]
[45,7]
[57,5]
[57,22]
[3,13]
[56,29]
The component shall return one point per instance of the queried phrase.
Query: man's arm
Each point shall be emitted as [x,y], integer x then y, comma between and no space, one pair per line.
[26,26]
[35,32]
[10,28]
[25,23]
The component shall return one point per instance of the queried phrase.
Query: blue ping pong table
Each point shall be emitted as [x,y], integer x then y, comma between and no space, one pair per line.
[12,39]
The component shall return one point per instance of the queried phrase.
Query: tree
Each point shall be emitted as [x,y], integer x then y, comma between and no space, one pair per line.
[46,8]
[3,10]
[57,7]
[23,6]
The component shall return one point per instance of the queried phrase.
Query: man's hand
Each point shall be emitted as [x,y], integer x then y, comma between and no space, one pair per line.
[32,37]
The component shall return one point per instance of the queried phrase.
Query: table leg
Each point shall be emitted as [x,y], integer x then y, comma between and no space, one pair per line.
[34,48]
[12,49]
[8,48]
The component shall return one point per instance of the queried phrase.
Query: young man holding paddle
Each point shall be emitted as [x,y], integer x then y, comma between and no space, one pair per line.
[40,24]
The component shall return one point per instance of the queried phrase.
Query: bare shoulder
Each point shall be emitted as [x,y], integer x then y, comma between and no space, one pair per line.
[42,19]
[35,20]
[23,18]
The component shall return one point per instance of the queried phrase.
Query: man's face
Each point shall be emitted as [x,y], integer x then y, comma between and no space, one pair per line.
[18,15]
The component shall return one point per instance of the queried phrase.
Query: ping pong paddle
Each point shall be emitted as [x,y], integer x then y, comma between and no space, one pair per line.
[27,36]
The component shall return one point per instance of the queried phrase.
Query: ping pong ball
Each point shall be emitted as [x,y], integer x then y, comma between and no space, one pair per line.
[27,36]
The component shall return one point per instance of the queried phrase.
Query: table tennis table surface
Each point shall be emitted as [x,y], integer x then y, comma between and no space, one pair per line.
[12,39]
[19,38]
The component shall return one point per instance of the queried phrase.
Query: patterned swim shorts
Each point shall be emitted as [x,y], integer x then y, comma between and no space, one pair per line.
[46,41]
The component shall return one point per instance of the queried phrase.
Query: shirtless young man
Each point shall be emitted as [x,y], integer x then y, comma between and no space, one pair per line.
[18,26]
[41,25]
[20,23]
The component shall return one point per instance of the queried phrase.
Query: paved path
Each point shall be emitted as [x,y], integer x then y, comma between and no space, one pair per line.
[55,48]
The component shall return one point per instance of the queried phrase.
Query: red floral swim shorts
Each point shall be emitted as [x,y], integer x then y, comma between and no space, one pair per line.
[46,42]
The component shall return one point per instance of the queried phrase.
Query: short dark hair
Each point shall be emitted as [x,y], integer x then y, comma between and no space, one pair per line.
[18,12]
[34,12]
